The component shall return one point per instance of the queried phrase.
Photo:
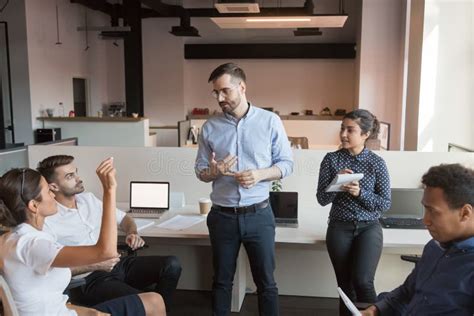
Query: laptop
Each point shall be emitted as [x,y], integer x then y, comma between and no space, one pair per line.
[285,208]
[347,301]
[406,211]
[149,199]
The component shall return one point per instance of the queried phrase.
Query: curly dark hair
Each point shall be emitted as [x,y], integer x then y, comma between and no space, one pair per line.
[456,181]
[48,166]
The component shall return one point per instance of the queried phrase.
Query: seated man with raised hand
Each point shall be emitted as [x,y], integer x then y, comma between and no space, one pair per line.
[442,282]
[78,222]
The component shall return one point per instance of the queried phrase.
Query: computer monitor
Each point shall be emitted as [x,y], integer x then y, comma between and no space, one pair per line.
[406,203]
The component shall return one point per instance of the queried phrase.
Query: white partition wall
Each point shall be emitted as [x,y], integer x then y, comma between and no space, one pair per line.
[302,268]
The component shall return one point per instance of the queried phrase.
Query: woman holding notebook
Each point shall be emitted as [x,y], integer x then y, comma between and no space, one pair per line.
[354,236]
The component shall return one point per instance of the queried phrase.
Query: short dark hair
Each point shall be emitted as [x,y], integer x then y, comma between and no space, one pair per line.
[14,199]
[230,69]
[366,121]
[456,181]
[48,166]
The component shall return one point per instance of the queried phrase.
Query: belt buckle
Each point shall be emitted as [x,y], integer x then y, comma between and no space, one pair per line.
[236,211]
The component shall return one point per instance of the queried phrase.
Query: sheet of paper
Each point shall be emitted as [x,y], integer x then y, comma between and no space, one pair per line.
[143,223]
[341,179]
[180,222]
[350,306]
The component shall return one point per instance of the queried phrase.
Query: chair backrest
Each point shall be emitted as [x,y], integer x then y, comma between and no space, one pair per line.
[9,308]
[299,142]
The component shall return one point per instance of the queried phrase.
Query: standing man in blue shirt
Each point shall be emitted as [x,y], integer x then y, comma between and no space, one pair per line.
[240,152]
[442,282]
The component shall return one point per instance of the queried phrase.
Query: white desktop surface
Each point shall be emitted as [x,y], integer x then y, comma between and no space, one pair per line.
[310,234]
[311,230]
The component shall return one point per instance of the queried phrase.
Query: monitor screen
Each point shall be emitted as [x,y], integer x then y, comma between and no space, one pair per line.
[406,202]
[149,195]
[284,204]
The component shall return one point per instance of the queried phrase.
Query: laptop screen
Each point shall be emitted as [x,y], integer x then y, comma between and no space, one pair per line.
[284,204]
[154,195]
[406,203]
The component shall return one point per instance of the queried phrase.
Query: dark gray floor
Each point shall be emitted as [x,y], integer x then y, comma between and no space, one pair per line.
[198,303]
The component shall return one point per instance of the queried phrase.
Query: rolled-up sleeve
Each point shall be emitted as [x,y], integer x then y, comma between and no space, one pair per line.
[203,154]
[282,155]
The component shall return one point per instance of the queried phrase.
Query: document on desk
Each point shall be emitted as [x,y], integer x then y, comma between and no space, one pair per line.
[341,179]
[143,223]
[180,222]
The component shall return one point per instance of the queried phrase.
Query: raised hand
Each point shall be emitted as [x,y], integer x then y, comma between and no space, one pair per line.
[106,173]
[221,167]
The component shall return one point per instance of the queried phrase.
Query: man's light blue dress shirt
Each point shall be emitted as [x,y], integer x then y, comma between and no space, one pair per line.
[258,140]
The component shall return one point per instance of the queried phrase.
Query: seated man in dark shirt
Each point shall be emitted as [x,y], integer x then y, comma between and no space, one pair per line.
[442,283]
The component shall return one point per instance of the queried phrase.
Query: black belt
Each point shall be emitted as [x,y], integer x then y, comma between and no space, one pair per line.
[241,209]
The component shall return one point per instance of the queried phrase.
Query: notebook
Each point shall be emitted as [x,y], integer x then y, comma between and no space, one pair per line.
[285,208]
[406,210]
[347,301]
[149,199]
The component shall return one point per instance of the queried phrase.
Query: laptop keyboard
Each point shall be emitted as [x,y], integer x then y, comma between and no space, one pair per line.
[405,223]
[146,212]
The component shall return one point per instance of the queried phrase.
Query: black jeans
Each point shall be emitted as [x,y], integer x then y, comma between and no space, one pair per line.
[256,231]
[355,249]
[132,275]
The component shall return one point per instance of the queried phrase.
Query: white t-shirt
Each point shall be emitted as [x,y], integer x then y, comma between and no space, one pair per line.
[37,288]
[81,226]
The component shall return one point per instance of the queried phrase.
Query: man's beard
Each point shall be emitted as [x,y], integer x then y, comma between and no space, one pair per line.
[231,105]
[79,188]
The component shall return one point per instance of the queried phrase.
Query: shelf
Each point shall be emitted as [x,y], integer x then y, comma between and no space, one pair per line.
[91,119]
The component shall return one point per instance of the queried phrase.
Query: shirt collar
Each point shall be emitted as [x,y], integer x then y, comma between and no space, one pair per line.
[361,156]
[466,244]
[249,113]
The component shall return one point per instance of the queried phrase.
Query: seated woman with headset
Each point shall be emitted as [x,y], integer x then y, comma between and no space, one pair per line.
[36,267]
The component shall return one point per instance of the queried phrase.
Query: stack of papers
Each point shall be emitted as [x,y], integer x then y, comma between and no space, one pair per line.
[180,222]
[341,179]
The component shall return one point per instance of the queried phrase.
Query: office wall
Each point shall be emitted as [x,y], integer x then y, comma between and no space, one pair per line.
[52,67]
[381,62]
[14,15]
[173,86]
[447,76]
[286,85]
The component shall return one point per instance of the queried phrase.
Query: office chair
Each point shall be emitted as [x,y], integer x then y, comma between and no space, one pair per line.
[411,258]
[299,142]
[7,304]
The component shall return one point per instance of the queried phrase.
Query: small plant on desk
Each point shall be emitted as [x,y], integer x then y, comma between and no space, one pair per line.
[276,186]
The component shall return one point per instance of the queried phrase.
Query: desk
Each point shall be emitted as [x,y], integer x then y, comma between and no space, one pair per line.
[309,235]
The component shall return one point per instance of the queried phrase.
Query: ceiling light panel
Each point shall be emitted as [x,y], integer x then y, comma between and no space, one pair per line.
[290,22]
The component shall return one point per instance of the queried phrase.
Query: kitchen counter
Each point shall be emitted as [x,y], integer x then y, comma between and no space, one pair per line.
[91,119]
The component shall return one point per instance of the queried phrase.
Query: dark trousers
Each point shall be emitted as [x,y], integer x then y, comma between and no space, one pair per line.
[355,249]
[132,275]
[256,231]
